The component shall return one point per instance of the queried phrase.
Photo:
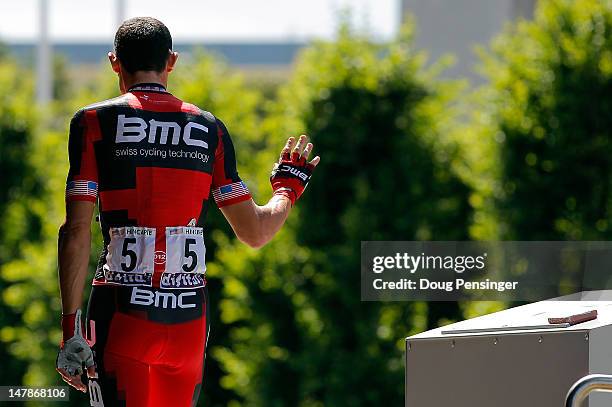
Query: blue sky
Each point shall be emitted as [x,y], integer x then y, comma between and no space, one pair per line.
[227,20]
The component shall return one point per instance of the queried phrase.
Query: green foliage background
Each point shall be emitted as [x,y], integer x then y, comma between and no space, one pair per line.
[405,155]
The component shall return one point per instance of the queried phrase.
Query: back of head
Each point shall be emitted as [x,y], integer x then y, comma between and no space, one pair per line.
[143,44]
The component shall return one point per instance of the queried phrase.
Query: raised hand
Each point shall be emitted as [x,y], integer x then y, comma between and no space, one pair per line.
[290,175]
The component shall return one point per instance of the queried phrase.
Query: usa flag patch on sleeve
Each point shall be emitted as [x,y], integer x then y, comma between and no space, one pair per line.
[230,193]
[81,188]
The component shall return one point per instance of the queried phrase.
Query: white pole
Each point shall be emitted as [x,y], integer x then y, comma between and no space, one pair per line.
[44,82]
[120,12]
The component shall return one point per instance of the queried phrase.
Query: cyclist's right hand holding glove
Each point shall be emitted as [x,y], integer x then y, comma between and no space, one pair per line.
[74,352]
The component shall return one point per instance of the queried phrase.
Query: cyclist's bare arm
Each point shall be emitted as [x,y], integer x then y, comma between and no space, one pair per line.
[256,225]
[74,245]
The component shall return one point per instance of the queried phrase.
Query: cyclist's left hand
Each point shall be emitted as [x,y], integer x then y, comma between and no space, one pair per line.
[292,172]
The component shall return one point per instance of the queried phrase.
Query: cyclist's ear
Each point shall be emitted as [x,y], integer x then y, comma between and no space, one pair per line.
[114,61]
[172,58]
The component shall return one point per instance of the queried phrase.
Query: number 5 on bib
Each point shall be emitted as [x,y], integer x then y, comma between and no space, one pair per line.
[185,250]
[129,260]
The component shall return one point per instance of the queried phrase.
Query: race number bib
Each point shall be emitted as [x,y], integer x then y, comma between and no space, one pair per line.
[185,250]
[130,255]
[185,257]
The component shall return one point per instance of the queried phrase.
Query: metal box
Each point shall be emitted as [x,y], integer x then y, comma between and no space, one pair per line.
[513,357]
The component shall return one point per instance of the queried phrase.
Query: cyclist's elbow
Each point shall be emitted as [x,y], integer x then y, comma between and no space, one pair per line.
[253,240]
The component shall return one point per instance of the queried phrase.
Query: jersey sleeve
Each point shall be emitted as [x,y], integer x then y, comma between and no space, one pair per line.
[82,182]
[227,187]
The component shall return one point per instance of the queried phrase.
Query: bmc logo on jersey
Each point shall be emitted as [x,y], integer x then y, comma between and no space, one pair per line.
[135,129]
[161,299]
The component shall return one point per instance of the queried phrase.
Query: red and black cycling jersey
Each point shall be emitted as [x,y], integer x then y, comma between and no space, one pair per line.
[152,162]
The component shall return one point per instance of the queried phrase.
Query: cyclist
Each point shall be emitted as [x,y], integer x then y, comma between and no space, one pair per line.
[152,163]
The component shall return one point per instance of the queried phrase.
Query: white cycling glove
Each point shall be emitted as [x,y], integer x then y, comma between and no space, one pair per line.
[74,352]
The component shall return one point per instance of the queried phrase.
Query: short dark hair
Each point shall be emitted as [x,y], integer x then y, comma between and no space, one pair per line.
[143,44]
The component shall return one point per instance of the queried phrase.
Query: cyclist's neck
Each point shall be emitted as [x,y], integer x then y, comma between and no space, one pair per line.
[138,77]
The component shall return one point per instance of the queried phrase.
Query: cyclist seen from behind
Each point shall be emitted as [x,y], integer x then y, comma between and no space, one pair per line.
[152,163]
